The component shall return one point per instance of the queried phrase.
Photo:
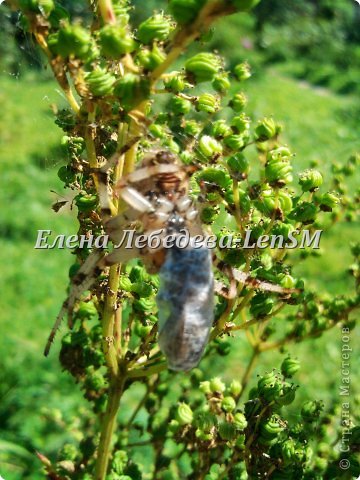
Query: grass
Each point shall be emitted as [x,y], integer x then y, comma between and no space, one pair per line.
[33,282]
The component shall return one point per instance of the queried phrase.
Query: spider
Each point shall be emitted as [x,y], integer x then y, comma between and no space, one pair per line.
[157,198]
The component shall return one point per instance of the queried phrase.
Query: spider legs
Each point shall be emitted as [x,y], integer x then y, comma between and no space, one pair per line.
[82,281]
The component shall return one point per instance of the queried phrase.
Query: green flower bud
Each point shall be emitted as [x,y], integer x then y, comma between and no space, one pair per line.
[180,106]
[186,157]
[86,310]
[310,180]
[265,130]
[228,404]
[265,381]
[283,229]
[289,367]
[242,71]
[209,215]
[74,40]
[121,9]
[205,387]
[157,27]
[66,174]
[86,202]
[270,429]
[311,410]
[304,212]
[220,129]
[245,5]
[280,153]
[171,145]
[235,388]
[241,123]
[209,147]
[207,103]
[238,102]
[328,201]
[214,175]
[115,41]
[131,90]
[151,59]
[287,395]
[240,443]
[278,171]
[174,426]
[203,436]
[184,414]
[286,281]
[192,128]
[269,201]
[221,82]
[185,11]
[238,163]
[223,347]
[138,274]
[119,461]
[227,431]
[234,142]
[68,452]
[176,82]
[145,305]
[157,131]
[142,289]
[100,82]
[216,385]
[288,451]
[240,421]
[94,380]
[261,305]
[46,7]
[203,66]
[142,331]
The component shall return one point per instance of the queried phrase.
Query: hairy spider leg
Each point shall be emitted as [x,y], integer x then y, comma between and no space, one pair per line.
[83,280]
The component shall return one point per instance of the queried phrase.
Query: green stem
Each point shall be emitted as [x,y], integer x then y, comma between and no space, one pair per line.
[108,425]
[249,369]
[146,372]
[107,11]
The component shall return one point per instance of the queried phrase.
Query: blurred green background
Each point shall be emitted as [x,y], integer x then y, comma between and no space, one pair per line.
[305,57]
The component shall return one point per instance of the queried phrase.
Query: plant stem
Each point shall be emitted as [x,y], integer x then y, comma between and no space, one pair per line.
[108,425]
[111,314]
[108,321]
[107,12]
[110,329]
[249,369]
[146,372]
